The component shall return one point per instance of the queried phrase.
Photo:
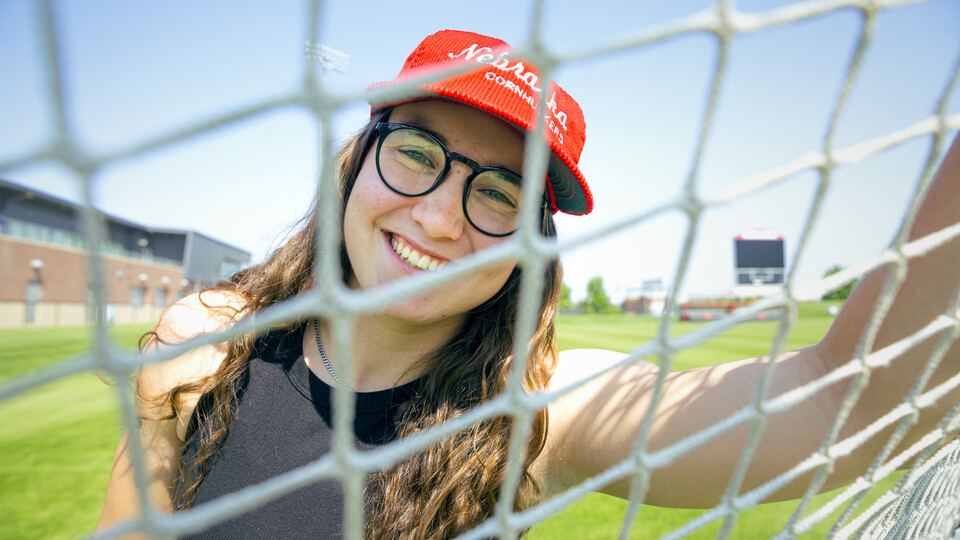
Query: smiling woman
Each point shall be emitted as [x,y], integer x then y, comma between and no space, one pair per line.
[430,180]
[417,364]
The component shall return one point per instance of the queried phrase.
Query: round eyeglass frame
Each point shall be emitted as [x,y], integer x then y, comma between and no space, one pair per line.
[386,128]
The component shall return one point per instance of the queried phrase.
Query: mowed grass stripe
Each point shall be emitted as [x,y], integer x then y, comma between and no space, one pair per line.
[27,349]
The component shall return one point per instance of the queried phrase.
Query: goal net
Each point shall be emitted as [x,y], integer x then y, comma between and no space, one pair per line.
[924,502]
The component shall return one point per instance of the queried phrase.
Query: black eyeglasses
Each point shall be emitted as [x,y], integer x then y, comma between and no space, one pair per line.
[413,162]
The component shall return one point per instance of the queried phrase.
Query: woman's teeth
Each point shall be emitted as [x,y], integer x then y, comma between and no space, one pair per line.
[413,257]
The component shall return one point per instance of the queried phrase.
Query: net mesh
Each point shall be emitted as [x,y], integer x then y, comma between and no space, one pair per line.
[923,504]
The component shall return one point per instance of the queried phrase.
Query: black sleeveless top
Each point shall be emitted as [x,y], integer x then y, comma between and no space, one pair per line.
[283,421]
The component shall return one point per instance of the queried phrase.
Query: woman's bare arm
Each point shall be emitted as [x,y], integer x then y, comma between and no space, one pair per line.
[162,434]
[595,426]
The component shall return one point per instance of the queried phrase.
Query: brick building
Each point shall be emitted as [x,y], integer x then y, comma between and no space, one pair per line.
[649,299]
[45,268]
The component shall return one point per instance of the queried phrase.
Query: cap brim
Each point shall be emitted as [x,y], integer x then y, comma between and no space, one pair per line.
[569,195]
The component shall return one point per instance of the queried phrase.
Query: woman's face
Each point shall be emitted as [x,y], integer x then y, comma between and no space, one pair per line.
[379,223]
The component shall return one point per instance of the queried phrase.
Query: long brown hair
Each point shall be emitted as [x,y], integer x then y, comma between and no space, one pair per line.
[450,486]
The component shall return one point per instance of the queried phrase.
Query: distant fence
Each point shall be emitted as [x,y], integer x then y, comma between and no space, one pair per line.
[711,311]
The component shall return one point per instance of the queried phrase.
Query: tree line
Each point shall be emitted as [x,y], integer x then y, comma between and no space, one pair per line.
[598,301]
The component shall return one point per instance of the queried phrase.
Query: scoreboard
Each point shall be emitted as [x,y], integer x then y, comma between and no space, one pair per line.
[758,263]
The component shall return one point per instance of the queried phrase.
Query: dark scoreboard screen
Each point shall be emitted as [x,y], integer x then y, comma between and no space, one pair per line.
[759,253]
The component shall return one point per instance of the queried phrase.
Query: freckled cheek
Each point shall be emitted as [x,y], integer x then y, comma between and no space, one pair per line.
[370,199]
[364,207]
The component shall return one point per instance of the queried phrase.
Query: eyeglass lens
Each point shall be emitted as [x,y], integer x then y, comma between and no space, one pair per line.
[412,162]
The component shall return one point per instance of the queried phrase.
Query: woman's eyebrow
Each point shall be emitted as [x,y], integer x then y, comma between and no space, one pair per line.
[429,137]
[419,121]
[514,178]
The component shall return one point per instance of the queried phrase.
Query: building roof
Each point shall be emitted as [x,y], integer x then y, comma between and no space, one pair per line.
[34,194]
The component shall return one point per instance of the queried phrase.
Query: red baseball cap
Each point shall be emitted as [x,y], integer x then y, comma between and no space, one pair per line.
[508,88]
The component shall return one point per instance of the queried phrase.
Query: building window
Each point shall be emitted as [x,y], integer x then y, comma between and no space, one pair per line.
[137,296]
[160,298]
[33,295]
[93,311]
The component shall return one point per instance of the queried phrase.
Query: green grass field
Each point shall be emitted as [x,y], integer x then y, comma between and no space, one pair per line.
[57,441]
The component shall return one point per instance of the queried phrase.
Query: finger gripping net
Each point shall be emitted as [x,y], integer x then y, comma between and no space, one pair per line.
[925,503]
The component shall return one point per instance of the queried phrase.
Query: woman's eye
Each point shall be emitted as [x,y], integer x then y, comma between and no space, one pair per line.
[418,156]
[498,197]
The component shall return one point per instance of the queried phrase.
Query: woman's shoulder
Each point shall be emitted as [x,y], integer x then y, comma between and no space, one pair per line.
[201,312]
[206,312]
[588,382]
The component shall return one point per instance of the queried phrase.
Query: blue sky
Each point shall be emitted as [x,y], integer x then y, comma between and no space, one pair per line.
[134,71]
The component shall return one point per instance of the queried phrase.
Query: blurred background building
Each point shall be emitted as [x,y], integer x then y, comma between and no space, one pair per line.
[45,267]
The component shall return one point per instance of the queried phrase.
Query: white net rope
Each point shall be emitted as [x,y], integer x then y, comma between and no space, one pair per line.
[923,504]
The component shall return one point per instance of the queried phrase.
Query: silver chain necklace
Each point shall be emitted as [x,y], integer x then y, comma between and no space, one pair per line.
[323,355]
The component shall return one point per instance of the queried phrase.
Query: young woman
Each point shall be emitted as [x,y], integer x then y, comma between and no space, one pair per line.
[430,180]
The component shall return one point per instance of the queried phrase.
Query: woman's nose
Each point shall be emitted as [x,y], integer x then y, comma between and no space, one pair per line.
[440,212]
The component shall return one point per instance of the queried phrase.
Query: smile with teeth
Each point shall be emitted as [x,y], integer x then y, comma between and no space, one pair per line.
[413,257]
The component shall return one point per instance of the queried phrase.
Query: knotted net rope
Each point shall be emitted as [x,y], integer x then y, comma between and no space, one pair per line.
[923,504]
